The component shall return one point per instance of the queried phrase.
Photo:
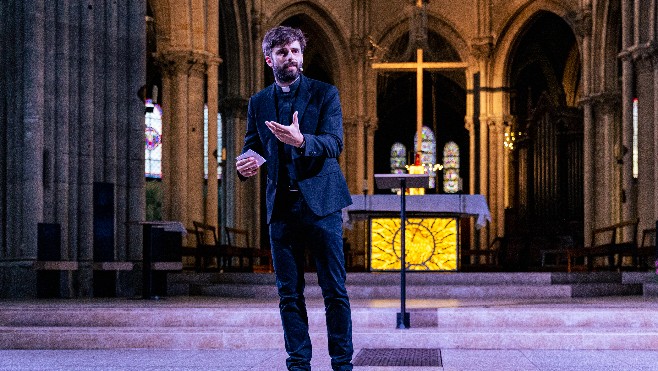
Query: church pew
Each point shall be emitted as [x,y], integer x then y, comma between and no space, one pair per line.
[604,244]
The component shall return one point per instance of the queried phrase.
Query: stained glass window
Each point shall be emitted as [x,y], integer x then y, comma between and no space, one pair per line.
[153,136]
[451,180]
[428,153]
[398,158]
[205,141]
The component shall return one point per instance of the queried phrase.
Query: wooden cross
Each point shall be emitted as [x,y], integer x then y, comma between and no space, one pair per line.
[419,66]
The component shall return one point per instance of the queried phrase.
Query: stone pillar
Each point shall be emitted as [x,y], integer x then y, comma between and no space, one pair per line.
[134,207]
[370,127]
[183,125]
[354,155]
[74,119]
[470,126]
[214,150]
[606,193]
[626,145]
[498,215]
[242,199]
[194,134]
[654,61]
[32,128]
[589,136]
[86,164]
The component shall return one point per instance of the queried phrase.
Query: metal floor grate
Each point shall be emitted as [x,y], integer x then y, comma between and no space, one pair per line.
[398,357]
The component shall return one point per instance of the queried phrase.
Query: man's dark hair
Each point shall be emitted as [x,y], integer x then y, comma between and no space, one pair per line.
[280,36]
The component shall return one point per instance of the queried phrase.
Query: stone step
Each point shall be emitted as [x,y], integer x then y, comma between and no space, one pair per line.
[419,285]
[233,290]
[413,278]
[381,315]
[270,338]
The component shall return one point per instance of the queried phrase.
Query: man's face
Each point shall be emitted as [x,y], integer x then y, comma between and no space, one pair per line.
[286,62]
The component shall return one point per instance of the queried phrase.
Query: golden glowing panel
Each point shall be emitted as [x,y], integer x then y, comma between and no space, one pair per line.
[430,244]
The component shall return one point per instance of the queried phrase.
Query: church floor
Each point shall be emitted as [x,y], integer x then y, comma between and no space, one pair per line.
[274,360]
[630,323]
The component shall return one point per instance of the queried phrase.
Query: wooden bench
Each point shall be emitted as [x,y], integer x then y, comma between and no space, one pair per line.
[208,248]
[258,259]
[617,240]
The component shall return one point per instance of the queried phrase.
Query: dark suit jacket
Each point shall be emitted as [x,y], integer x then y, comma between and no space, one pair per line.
[318,173]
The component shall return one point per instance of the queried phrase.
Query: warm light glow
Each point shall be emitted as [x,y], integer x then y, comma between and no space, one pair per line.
[416,169]
[430,244]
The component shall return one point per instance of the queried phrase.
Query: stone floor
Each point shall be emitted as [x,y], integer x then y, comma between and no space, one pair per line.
[273,360]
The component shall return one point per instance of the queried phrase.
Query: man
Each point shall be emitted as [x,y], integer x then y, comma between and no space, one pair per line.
[296,125]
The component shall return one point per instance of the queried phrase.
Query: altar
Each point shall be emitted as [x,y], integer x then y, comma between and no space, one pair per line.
[432,232]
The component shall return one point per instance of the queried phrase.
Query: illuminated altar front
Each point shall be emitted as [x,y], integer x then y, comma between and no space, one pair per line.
[432,233]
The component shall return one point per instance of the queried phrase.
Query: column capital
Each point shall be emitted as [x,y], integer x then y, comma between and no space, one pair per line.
[583,22]
[497,123]
[645,54]
[175,61]
[359,45]
[601,99]
[468,123]
[482,47]
[353,122]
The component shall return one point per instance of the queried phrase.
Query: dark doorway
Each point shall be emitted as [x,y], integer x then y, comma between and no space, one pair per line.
[547,169]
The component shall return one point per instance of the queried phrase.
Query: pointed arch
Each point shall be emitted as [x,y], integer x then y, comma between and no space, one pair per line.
[330,35]
[510,33]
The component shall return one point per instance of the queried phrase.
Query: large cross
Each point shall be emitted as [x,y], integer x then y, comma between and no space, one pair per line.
[419,66]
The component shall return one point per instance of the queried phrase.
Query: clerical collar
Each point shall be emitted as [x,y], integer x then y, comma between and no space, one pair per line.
[291,87]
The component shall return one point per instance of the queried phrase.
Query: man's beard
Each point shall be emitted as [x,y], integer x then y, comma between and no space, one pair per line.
[284,75]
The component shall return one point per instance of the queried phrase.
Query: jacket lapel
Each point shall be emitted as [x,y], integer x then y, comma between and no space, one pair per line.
[303,97]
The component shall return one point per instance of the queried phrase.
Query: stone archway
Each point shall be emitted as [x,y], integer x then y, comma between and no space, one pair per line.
[546,199]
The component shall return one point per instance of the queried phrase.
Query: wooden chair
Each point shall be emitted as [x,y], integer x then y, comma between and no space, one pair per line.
[646,251]
[604,244]
[259,260]
[554,258]
[488,259]
[209,248]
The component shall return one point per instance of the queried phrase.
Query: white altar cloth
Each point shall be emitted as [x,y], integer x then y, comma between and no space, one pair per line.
[458,204]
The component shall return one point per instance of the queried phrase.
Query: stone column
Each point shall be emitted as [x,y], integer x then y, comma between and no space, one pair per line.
[628,202]
[31,158]
[135,61]
[212,198]
[589,137]
[654,61]
[86,164]
[353,154]
[74,118]
[497,146]
[370,127]
[183,175]
[607,107]
[194,133]
[241,199]
[174,129]
[61,130]
[214,150]
[481,50]
[470,126]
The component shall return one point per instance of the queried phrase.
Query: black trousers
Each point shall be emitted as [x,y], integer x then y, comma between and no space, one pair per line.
[293,228]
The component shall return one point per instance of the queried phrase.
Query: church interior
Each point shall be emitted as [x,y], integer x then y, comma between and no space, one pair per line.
[119,115]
